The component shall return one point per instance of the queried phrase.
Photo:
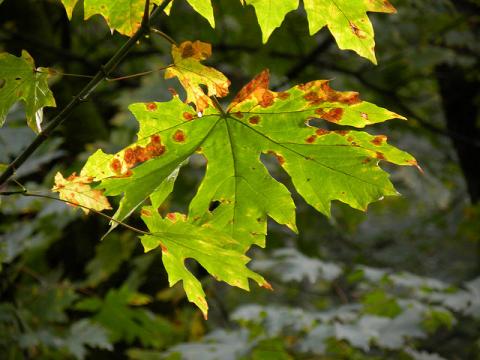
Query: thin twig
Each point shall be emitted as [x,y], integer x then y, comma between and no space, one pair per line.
[138,74]
[84,94]
[44,196]
[165,36]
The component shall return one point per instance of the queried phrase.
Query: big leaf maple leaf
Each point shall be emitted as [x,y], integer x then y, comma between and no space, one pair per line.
[125,16]
[324,165]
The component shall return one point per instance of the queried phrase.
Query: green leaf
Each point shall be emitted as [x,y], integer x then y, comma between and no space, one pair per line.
[324,165]
[204,8]
[348,22]
[270,14]
[125,16]
[21,80]
[180,240]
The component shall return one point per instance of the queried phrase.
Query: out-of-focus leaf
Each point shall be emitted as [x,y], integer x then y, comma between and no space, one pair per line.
[84,333]
[21,80]
[291,265]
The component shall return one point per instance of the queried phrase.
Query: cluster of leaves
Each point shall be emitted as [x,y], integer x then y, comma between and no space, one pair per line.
[45,313]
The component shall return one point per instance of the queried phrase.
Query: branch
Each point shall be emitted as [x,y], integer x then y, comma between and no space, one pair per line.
[84,94]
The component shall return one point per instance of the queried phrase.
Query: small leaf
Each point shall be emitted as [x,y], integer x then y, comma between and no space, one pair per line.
[180,240]
[20,80]
[77,190]
[204,8]
[191,73]
[270,14]
[348,22]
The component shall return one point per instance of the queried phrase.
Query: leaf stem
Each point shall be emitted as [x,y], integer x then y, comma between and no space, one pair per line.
[84,94]
[219,107]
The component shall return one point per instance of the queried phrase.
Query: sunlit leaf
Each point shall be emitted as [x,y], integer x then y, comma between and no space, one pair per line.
[191,73]
[77,191]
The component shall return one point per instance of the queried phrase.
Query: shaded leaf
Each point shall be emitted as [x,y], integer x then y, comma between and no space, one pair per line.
[77,190]
[191,73]
[83,333]
[21,80]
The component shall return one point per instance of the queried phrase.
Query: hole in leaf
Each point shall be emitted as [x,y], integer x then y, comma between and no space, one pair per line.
[213,205]
[18,78]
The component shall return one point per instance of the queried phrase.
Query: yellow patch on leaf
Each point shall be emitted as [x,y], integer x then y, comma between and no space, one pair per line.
[77,191]
[192,73]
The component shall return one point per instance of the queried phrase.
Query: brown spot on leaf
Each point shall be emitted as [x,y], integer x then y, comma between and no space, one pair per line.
[379,140]
[164,248]
[258,84]
[179,136]
[172,91]
[151,106]
[188,116]
[238,114]
[172,217]
[267,99]
[116,166]
[342,132]
[283,95]
[364,115]
[267,286]
[187,50]
[333,115]
[254,120]
[129,157]
[379,155]
[311,139]
[146,212]
[366,160]
[321,132]
[357,31]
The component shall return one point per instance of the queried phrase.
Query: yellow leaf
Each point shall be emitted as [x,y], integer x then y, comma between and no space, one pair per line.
[77,191]
[191,73]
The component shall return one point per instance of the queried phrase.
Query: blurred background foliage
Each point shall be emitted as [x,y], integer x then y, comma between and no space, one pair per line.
[401,281]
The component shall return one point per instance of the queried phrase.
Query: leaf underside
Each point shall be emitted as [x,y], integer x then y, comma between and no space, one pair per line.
[347,20]
[324,165]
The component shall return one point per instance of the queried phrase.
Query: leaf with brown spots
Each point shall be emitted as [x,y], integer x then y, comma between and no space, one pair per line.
[214,250]
[77,191]
[324,165]
[192,73]
[348,22]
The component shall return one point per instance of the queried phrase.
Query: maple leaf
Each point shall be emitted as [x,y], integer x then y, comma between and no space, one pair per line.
[347,20]
[125,16]
[214,250]
[77,191]
[20,80]
[324,165]
[191,73]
